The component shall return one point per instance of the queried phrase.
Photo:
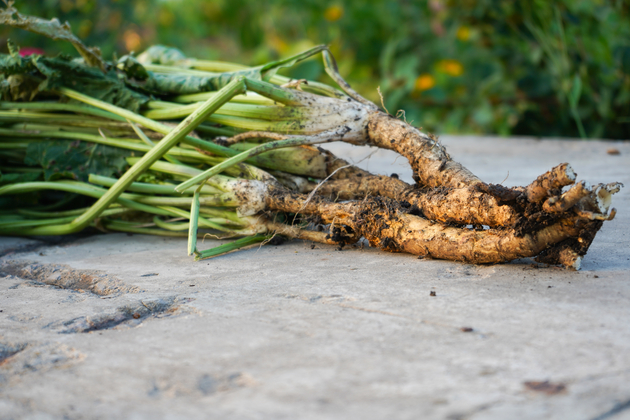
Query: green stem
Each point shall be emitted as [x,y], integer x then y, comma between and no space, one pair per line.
[237,84]
[148,142]
[75,212]
[55,106]
[127,200]
[194,220]
[145,188]
[172,138]
[121,226]
[246,155]
[232,246]
[170,225]
[202,221]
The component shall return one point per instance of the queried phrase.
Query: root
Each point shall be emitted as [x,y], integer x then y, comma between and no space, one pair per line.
[550,183]
[562,203]
[432,165]
[461,206]
[569,253]
[392,226]
[297,233]
[341,168]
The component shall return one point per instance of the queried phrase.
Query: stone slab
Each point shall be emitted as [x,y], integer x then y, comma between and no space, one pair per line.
[117,326]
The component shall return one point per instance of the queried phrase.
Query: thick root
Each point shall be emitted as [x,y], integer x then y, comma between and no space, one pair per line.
[428,219]
[569,253]
[388,225]
[461,206]
[432,165]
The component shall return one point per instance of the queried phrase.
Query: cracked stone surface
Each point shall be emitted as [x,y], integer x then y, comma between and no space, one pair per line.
[117,326]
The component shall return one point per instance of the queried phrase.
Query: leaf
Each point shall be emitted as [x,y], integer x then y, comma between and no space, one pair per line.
[269,69]
[51,29]
[183,84]
[14,178]
[132,67]
[186,84]
[576,91]
[76,159]
[166,56]
[53,72]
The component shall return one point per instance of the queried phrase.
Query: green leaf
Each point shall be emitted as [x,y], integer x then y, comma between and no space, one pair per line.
[166,56]
[76,159]
[14,178]
[163,84]
[183,84]
[132,67]
[63,71]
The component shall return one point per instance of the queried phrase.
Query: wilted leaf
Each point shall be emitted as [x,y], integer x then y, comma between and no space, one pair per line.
[64,71]
[52,29]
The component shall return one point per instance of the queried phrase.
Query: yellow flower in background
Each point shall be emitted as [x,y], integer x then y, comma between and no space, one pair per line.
[333,13]
[463,33]
[451,67]
[424,82]
[278,43]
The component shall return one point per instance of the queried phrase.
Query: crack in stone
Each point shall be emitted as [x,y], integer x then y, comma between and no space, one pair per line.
[125,317]
[65,277]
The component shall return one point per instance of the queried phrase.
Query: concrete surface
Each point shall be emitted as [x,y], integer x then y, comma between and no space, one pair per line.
[116,326]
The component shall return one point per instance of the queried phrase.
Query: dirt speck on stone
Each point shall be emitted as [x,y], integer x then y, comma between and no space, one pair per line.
[545,387]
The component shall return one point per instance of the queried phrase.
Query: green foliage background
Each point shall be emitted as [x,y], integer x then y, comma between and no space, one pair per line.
[524,67]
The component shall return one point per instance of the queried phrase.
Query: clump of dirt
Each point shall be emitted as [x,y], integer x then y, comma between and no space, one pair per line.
[65,277]
[545,387]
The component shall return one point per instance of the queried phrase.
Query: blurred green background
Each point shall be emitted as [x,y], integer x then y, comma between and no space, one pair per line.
[532,67]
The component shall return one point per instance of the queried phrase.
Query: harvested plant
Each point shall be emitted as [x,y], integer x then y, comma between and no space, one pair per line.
[169,145]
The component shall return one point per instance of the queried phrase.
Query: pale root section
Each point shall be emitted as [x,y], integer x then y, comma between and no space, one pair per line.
[251,196]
